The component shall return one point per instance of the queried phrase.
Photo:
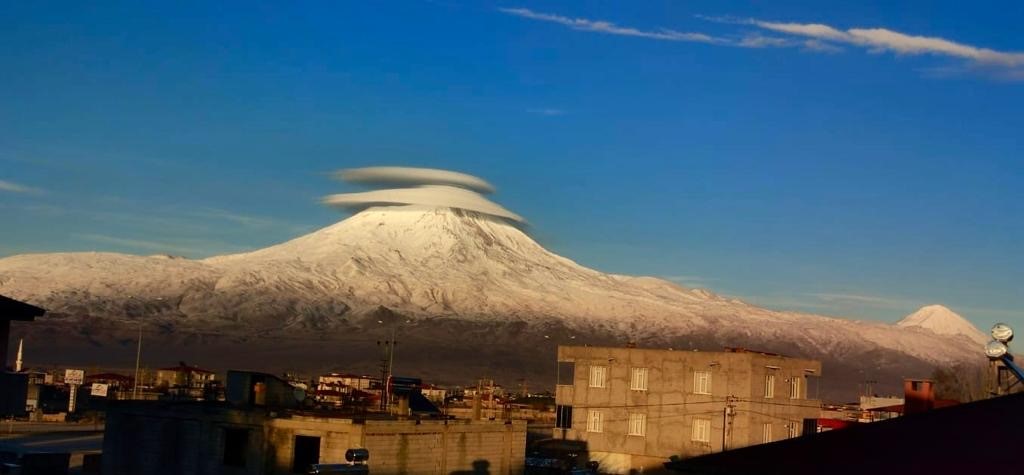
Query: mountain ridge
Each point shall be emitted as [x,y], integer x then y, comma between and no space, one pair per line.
[436,267]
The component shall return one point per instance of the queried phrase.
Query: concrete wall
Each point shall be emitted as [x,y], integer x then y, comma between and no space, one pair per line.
[670,405]
[436,447]
[188,438]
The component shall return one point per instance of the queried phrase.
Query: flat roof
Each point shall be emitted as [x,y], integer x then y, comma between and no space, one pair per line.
[724,350]
[11,309]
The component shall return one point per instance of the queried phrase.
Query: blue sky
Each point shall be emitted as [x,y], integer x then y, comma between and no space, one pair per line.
[858,158]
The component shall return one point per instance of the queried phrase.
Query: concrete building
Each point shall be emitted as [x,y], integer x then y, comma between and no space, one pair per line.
[262,429]
[637,407]
[334,381]
[184,375]
[433,393]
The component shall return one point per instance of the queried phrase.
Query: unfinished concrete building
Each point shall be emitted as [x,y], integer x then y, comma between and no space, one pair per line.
[635,408]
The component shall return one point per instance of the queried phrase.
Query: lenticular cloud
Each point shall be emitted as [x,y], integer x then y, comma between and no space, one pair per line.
[422,186]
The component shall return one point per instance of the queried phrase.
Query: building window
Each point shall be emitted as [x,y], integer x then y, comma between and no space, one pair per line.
[794,387]
[701,430]
[595,421]
[792,430]
[766,432]
[236,444]
[566,372]
[598,376]
[702,382]
[637,424]
[305,453]
[563,417]
[638,379]
[769,386]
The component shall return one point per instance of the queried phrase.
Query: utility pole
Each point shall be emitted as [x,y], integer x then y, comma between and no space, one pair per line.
[494,404]
[476,400]
[730,410]
[388,361]
[138,359]
[383,375]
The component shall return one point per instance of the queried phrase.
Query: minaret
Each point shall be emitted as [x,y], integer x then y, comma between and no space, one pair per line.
[17,362]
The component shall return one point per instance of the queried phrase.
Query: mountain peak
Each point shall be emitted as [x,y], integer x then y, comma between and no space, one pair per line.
[941,320]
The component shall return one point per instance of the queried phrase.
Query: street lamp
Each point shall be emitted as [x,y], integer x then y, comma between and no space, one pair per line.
[1002,333]
[138,353]
[997,350]
[389,360]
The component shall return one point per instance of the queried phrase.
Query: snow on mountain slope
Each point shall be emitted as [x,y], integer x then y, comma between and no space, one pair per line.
[439,263]
[943,321]
[445,262]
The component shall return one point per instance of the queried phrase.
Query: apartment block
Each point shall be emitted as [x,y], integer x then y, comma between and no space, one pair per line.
[635,407]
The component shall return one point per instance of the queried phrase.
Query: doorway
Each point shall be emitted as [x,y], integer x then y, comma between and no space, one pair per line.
[306,453]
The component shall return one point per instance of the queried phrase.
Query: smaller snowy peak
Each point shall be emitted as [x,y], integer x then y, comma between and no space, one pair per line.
[943,321]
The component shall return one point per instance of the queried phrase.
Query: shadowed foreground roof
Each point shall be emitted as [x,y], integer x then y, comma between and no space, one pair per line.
[980,437]
[11,309]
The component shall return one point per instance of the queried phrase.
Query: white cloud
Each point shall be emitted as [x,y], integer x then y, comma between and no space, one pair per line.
[610,28]
[16,188]
[140,244]
[814,30]
[820,46]
[546,111]
[874,300]
[760,41]
[186,247]
[244,220]
[818,37]
[688,280]
[884,40]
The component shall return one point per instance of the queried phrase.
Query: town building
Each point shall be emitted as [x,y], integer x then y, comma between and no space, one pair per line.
[636,407]
[183,375]
[188,382]
[262,428]
[435,394]
[355,381]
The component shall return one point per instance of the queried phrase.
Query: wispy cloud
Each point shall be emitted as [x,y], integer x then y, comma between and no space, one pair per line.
[881,40]
[237,218]
[547,111]
[814,37]
[139,244]
[606,27]
[186,247]
[839,303]
[13,187]
[871,300]
[757,40]
[689,280]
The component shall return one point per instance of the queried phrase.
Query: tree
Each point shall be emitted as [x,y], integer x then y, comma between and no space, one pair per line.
[963,382]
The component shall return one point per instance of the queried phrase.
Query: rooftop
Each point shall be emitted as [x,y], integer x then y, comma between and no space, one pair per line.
[11,309]
[182,367]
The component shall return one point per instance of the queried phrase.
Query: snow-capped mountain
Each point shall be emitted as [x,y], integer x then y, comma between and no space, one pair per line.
[943,321]
[473,292]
